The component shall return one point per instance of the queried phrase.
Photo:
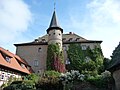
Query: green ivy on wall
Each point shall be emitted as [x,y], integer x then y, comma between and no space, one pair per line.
[55,60]
[85,60]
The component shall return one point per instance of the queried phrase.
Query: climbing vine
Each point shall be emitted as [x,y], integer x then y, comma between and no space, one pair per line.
[55,60]
[86,61]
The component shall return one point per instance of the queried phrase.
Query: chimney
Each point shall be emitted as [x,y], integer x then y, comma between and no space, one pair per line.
[70,33]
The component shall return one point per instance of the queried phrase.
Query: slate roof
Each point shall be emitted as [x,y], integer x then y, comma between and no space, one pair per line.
[115,61]
[67,39]
[14,62]
[54,23]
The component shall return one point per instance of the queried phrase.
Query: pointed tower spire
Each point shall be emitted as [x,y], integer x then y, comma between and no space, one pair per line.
[54,23]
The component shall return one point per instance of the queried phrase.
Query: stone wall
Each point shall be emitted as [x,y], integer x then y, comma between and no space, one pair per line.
[116,76]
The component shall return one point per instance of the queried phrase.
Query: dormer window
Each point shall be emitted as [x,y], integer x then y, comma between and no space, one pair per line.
[22,65]
[77,39]
[43,40]
[70,39]
[7,59]
[63,39]
[28,68]
[36,40]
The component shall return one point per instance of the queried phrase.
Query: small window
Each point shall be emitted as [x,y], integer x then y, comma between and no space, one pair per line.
[67,61]
[43,40]
[36,63]
[2,76]
[49,34]
[28,68]
[7,59]
[39,49]
[36,40]
[65,48]
[22,65]
[59,34]
[70,39]
[77,39]
[63,39]
[84,47]
[87,59]
[54,33]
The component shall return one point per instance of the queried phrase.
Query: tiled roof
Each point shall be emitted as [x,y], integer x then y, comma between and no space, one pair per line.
[67,39]
[14,62]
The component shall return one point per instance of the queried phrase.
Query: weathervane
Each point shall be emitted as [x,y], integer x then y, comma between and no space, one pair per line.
[54,4]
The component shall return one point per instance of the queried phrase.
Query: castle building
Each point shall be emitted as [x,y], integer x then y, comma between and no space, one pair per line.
[35,52]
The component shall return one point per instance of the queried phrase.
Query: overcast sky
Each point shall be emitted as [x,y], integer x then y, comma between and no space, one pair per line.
[25,20]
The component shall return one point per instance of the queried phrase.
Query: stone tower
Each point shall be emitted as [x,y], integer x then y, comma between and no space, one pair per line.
[55,32]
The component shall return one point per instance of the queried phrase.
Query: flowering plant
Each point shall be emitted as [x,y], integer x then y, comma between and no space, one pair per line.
[72,76]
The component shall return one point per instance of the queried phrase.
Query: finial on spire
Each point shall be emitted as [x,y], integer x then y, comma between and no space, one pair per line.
[54,5]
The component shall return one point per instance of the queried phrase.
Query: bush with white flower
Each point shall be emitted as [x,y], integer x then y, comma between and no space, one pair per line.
[72,76]
[106,74]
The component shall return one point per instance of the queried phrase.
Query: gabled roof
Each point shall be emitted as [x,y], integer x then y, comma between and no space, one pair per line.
[14,63]
[54,23]
[67,39]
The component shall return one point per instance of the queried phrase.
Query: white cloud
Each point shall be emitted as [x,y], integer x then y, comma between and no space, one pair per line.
[101,21]
[15,17]
[105,16]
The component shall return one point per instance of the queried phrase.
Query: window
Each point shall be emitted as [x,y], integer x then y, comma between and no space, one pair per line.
[84,47]
[77,39]
[7,59]
[43,40]
[36,40]
[22,65]
[63,39]
[54,33]
[39,49]
[2,76]
[59,34]
[67,61]
[65,48]
[28,68]
[87,59]
[70,39]
[36,63]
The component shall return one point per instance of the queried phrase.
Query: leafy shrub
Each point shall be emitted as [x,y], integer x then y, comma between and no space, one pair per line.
[28,84]
[14,86]
[33,77]
[52,73]
[21,85]
[104,80]
[50,81]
